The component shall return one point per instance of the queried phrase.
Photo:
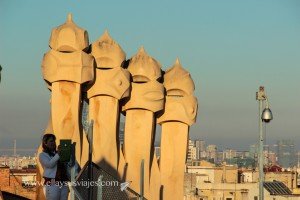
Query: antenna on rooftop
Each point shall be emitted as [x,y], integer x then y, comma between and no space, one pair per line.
[15,148]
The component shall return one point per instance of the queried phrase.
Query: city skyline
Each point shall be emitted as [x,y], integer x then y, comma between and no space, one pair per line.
[229,48]
[14,150]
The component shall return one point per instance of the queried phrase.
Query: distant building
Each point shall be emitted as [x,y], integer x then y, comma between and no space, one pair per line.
[211,151]
[229,154]
[85,114]
[286,153]
[18,162]
[200,144]
[241,162]
[200,149]
[219,157]
[192,151]
[253,151]
[242,154]
[157,151]
[207,182]
[298,177]
[121,133]
[272,158]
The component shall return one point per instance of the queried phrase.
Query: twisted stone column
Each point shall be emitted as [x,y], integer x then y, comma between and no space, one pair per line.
[180,112]
[65,68]
[112,83]
[147,98]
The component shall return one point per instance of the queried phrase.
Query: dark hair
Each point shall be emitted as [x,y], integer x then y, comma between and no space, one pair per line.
[46,137]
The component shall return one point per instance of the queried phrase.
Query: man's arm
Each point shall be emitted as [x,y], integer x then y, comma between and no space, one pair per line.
[47,161]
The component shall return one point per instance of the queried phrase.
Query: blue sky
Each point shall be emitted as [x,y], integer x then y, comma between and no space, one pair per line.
[230,48]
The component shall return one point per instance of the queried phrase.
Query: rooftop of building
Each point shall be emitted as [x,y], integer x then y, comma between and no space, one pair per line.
[277,188]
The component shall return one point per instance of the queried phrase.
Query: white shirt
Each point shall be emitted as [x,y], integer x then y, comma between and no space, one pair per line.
[49,164]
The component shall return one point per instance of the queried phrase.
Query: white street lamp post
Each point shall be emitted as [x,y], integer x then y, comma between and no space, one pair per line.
[264,116]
